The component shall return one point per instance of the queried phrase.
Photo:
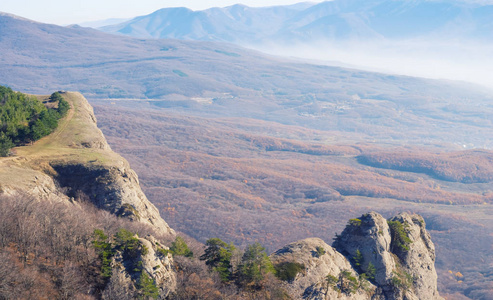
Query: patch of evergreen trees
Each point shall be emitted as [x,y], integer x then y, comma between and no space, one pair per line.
[132,250]
[24,119]
[251,272]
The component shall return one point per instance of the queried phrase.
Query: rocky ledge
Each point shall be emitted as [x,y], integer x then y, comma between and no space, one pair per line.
[75,162]
[373,258]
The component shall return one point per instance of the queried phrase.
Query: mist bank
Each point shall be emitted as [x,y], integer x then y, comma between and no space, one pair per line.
[434,39]
[469,61]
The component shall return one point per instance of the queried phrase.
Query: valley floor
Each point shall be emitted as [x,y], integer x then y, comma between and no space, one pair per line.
[247,180]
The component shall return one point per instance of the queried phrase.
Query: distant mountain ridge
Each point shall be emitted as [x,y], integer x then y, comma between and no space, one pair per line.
[331,20]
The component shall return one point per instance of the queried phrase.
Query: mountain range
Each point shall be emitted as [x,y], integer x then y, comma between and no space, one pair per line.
[433,39]
[330,20]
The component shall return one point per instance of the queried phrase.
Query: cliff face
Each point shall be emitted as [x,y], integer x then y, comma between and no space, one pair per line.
[312,281]
[112,188]
[385,262]
[126,279]
[77,161]
[419,260]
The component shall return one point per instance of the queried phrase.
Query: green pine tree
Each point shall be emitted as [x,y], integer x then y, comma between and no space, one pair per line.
[180,247]
[254,265]
[147,287]
[217,256]
[5,144]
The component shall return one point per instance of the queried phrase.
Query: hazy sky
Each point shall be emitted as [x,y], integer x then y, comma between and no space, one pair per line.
[65,12]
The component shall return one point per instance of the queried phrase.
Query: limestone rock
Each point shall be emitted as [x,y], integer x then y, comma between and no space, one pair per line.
[398,259]
[112,188]
[158,266]
[310,282]
[419,260]
[126,272]
[29,182]
[402,272]
[370,235]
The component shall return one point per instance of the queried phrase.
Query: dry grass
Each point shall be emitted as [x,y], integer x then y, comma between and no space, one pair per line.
[66,143]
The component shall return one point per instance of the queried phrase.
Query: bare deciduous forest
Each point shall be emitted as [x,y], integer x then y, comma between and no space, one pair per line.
[245,181]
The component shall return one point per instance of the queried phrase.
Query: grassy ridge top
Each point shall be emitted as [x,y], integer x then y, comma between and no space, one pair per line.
[76,139]
[24,119]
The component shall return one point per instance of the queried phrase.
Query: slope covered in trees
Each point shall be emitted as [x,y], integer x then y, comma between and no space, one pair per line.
[50,251]
[472,166]
[244,181]
[25,119]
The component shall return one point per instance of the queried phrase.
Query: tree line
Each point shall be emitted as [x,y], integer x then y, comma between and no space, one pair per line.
[24,119]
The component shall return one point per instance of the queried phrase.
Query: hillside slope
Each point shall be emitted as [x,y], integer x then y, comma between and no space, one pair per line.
[214,79]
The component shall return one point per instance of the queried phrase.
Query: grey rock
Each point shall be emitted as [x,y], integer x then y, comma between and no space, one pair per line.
[124,281]
[402,271]
[419,260]
[371,237]
[310,283]
[112,188]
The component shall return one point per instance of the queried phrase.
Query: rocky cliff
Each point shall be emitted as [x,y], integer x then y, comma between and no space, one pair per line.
[76,161]
[318,261]
[155,262]
[373,258]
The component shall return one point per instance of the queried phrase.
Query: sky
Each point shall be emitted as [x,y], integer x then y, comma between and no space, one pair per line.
[65,12]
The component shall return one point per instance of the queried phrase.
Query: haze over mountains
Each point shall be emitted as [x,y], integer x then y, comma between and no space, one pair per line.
[331,20]
[220,79]
[438,39]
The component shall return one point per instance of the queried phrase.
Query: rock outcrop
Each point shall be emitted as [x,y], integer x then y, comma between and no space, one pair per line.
[402,254]
[128,273]
[419,260]
[370,237]
[373,258]
[112,188]
[75,161]
[318,260]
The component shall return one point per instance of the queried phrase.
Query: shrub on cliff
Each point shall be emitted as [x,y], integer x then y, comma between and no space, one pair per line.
[400,240]
[180,247]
